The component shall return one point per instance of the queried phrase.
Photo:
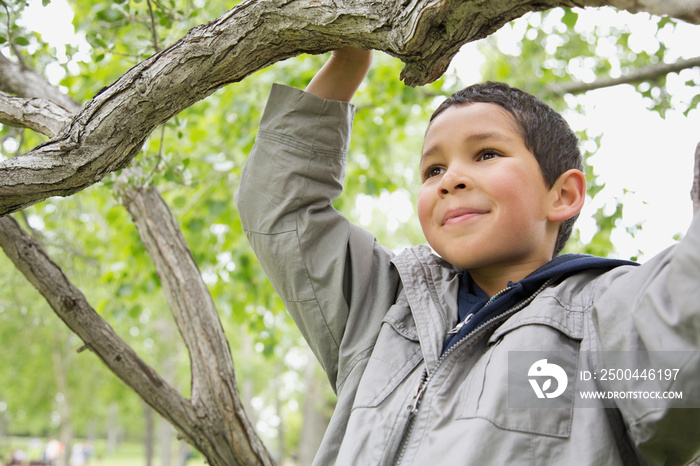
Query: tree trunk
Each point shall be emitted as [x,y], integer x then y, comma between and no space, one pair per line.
[214,392]
[60,368]
[165,442]
[223,433]
[112,428]
[213,420]
[148,434]
[37,114]
[165,331]
[183,454]
[246,386]
[72,307]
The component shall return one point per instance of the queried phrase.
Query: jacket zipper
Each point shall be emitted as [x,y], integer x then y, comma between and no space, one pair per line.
[412,411]
[466,320]
[425,378]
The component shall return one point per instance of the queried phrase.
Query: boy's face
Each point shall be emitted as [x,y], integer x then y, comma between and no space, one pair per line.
[483,203]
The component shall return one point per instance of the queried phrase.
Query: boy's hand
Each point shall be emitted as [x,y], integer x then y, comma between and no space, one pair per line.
[342,74]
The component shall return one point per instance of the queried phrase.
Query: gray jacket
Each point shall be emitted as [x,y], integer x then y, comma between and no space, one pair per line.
[377,322]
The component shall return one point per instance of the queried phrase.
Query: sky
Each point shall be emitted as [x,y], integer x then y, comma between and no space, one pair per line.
[644,160]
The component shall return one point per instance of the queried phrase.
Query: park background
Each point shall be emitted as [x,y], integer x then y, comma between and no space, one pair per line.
[639,141]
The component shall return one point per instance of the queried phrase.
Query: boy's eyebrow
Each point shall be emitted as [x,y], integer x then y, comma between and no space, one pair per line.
[473,138]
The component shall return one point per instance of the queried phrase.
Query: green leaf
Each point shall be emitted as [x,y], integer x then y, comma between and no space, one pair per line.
[110,15]
[23,41]
[196,224]
[570,17]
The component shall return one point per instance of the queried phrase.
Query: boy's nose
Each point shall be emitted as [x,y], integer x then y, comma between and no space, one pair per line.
[451,183]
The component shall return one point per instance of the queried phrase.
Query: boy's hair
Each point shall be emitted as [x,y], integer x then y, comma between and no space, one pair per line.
[545,133]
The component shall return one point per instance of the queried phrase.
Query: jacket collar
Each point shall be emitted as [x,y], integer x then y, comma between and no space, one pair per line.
[432,286]
[475,307]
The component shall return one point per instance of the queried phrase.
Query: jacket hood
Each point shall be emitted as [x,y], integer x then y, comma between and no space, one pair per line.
[475,307]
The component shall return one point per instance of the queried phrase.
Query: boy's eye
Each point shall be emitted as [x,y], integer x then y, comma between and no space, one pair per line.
[488,155]
[432,171]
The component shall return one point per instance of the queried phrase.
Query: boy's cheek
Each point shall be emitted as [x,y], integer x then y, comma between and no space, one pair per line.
[424,213]
[420,203]
[424,209]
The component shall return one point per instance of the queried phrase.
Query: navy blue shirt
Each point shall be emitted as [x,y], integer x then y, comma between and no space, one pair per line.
[472,300]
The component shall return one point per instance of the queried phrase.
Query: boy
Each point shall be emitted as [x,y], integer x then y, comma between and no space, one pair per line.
[417,345]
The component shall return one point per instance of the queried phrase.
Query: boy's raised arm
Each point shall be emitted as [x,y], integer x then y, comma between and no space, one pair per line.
[323,267]
[342,74]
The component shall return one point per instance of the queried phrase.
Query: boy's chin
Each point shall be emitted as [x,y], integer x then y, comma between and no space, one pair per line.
[498,262]
[458,260]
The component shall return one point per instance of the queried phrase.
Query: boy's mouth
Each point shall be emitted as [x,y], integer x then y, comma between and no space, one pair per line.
[461,214]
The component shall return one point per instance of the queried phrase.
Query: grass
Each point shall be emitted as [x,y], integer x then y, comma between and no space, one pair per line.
[129,453]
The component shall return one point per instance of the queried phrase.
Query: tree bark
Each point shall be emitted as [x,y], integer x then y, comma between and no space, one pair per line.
[72,307]
[214,420]
[222,433]
[229,437]
[110,129]
[39,115]
[22,82]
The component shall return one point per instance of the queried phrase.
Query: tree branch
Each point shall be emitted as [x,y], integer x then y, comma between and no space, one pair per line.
[214,412]
[22,82]
[682,9]
[39,115]
[154,34]
[648,73]
[109,131]
[214,391]
[72,307]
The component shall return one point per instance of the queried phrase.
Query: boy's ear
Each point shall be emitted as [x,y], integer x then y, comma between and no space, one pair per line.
[567,196]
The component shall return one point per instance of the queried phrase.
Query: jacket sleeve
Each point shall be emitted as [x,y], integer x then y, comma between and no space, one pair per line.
[336,281]
[653,312]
